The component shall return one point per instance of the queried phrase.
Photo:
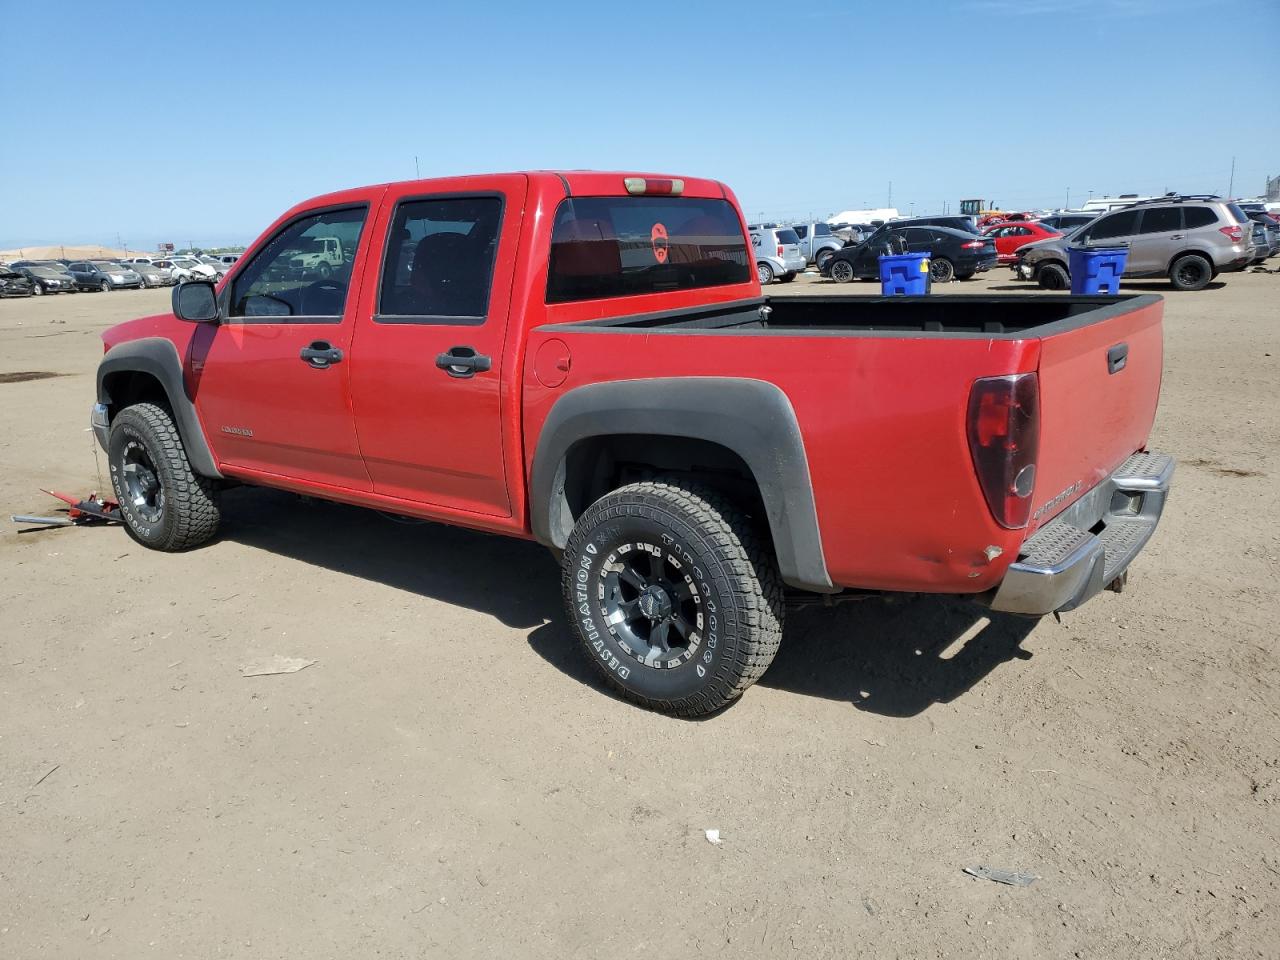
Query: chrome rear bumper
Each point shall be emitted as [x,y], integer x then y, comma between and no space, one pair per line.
[1090,544]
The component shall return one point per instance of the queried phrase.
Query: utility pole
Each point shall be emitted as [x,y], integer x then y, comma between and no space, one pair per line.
[1231,184]
[417,175]
[890,203]
[1067,205]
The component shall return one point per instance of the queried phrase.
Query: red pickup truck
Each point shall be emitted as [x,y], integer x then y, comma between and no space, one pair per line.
[586,359]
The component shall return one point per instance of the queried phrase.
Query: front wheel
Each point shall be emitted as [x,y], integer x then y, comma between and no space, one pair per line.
[842,271]
[672,596]
[765,273]
[105,286]
[941,270]
[1192,272]
[37,290]
[1053,276]
[164,503]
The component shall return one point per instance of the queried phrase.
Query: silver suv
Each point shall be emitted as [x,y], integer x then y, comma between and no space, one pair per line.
[1190,240]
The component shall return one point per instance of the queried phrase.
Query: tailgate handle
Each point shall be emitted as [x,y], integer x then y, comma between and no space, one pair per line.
[1117,357]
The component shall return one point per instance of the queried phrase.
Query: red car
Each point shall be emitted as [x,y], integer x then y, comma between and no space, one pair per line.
[586,360]
[1010,236]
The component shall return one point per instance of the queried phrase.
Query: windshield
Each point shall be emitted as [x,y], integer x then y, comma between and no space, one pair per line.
[107,265]
[45,272]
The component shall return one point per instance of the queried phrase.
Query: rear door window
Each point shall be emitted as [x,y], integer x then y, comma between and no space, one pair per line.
[439,260]
[1200,217]
[1122,224]
[626,246]
[1161,219]
[787,236]
[801,232]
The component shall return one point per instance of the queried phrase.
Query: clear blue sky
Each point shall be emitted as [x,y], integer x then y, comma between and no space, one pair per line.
[203,121]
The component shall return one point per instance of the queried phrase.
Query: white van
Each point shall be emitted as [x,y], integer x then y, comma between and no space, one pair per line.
[1105,204]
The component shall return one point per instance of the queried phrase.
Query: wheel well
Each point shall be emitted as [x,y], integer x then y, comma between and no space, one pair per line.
[123,388]
[596,465]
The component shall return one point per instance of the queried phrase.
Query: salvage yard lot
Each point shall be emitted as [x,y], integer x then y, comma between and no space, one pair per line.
[450,780]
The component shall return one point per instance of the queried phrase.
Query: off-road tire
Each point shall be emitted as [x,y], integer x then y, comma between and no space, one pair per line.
[1190,272]
[1053,276]
[722,558]
[189,515]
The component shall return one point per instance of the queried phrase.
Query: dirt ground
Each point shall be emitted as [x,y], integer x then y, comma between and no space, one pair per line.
[449,780]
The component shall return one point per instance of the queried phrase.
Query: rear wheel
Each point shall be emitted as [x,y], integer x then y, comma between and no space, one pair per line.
[941,270]
[1053,276]
[823,258]
[673,596]
[965,276]
[1191,272]
[788,276]
[765,272]
[165,504]
[842,271]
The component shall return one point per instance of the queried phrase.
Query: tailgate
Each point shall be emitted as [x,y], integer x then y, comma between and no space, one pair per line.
[1099,384]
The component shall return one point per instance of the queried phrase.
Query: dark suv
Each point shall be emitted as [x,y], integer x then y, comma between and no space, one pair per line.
[1188,239]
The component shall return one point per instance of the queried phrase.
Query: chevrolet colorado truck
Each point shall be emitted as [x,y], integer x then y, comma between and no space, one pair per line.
[585,359]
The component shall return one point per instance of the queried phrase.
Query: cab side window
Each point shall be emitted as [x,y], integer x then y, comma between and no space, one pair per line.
[303,271]
[438,266]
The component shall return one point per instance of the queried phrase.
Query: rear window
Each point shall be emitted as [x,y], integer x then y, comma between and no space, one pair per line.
[627,246]
[787,236]
[1199,217]
[1240,215]
[821,230]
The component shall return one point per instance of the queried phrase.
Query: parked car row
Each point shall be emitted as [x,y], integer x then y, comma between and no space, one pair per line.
[27,278]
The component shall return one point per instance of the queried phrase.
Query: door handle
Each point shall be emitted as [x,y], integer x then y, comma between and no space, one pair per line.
[320,355]
[1176,236]
[463,362]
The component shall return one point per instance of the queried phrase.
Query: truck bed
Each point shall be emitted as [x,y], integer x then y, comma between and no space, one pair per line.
[880,388]
[1012,316]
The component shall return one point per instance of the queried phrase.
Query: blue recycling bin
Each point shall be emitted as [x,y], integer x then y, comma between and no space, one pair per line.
[1097,269]
[904,275]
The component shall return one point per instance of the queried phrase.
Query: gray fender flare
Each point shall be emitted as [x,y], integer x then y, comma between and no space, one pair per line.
[159,358]
[752,418]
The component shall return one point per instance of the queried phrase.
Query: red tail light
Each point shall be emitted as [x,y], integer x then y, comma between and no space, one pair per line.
[1234,234]
[779,249]
[972,245]
[1004,440]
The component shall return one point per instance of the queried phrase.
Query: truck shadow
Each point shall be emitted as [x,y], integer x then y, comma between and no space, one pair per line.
[894,658]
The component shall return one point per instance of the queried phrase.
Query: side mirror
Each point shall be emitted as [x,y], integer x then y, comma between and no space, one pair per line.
[195,301]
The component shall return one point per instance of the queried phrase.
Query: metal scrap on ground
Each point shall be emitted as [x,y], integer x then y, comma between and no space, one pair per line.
[90,509]
[270,666]
[1011,877]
